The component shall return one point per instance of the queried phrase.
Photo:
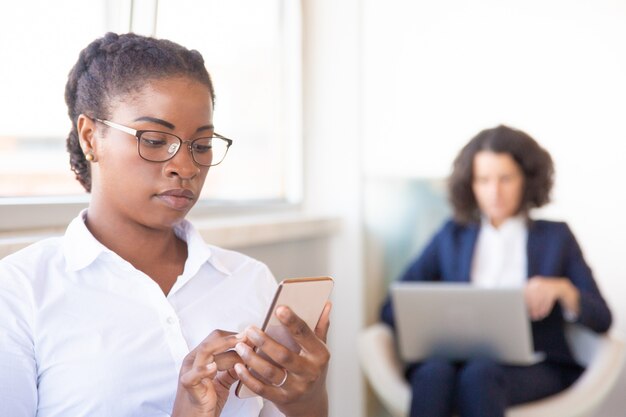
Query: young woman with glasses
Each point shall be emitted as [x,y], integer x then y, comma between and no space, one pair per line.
[122,315]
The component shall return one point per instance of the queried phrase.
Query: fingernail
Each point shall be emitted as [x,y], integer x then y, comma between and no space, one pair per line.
[240,336]
[254,334]
[239,368]
[240,348]
[211,367]
[282,312]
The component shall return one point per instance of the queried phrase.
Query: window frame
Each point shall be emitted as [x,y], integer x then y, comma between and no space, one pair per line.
[37,214]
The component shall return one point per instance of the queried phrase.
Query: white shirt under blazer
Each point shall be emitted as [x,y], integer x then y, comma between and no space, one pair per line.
[84,333]
[500,258]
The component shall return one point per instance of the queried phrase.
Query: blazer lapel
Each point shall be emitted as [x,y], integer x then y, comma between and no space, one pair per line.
[533,250]
[467,245]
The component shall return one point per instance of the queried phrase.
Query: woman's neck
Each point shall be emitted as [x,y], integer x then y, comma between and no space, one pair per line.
[157,252]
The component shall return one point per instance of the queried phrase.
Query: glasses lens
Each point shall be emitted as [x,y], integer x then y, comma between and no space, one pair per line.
[209,151]
[158,146]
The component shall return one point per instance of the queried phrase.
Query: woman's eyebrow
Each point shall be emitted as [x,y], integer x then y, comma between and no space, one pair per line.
[205,127]
[155,120]
[168,124]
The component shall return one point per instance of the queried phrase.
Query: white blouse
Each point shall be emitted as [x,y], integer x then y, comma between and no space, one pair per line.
[500,256]
[83,333]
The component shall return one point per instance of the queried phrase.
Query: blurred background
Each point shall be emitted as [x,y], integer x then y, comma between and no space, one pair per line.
[348,112]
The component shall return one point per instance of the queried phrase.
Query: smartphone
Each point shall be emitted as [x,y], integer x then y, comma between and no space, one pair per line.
[304,296]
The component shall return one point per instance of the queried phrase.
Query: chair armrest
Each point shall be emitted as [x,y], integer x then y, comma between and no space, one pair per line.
[604,356]
[376,350]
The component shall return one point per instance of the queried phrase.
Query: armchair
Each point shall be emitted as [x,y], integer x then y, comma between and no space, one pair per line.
[603,356]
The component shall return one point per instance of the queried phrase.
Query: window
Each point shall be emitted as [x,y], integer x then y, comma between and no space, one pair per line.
[251,49]
[37,53]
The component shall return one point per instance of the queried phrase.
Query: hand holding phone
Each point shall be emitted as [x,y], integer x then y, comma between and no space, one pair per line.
[306,297]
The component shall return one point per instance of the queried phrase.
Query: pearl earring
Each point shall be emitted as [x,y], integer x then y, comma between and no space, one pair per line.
[89,156]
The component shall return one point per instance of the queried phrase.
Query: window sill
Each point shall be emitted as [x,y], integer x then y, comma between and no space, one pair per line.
[228,232]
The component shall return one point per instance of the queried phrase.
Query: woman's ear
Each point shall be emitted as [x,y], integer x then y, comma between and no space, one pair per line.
[86,129]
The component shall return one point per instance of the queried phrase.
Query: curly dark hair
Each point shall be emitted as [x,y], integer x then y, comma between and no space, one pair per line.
[118,64]
[534,161]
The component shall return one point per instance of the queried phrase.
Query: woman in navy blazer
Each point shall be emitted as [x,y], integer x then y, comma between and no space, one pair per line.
[497,178]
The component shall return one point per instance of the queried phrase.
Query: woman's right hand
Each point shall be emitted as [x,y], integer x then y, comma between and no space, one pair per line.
[206,376]
[294,381]
[541,293]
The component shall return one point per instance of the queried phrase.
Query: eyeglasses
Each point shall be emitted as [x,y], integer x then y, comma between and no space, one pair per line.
[157,146]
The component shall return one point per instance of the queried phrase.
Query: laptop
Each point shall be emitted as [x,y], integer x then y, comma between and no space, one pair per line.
[459,321]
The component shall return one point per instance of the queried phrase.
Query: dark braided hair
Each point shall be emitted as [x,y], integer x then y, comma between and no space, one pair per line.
[118,64]
[534,162]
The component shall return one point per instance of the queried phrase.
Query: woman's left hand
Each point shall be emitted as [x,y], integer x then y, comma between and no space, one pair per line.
[206,375]
[542,293]
[294,381]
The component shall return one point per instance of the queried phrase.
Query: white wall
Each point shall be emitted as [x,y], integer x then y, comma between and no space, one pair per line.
[436,72]
[332,129]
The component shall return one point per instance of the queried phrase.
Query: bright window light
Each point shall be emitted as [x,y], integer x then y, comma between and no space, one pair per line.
[251,49]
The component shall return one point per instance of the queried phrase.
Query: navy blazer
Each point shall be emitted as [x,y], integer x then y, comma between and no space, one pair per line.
[552,251]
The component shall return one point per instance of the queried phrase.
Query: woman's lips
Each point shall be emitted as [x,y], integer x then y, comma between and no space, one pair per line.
[178,199]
